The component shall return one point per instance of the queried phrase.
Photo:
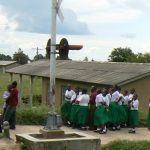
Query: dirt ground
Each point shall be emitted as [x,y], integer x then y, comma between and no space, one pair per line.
[141,134]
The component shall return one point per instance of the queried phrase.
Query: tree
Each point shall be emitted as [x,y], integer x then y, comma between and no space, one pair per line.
[143,58]
[5,57]
[39,56]
[122,55]
[86,59]
[20,57]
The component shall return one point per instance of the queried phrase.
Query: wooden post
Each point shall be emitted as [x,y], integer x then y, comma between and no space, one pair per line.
[45,88]
[11,77]
[20,89]
[31,90]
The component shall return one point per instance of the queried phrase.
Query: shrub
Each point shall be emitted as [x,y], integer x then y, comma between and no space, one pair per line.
[32,116]
[127,145]
[37,99]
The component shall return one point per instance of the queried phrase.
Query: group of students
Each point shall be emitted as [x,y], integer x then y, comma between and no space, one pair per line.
[10,97]
[100,109]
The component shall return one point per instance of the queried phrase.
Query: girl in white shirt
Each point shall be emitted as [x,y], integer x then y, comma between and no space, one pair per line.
[134,117]
[66,106]
[83,111]
[101,115]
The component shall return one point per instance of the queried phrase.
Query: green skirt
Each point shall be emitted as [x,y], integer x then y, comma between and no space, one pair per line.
[100,116]
[113,113]
[65,110]
[74,113]
[126,109]
[148,118]
[134,118]
[82,115]
[122,115]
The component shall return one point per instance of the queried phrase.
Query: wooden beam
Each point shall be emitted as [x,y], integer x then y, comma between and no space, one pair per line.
[31,90]
[20,89]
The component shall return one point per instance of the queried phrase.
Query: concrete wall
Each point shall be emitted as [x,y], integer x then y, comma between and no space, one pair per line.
[142,87]
[4,68]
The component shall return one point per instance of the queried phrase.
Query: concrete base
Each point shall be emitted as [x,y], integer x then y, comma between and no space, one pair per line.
[59,141]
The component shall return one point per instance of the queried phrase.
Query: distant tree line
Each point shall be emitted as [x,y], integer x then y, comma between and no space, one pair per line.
[20,57]
[127,55]
[117,55]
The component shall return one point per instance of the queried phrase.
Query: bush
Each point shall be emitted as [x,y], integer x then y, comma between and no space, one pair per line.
[37,99]
[127,145]
[32,116]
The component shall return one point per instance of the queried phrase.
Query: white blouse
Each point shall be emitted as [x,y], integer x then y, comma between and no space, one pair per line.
[135,105]
[69,94]
[84,100]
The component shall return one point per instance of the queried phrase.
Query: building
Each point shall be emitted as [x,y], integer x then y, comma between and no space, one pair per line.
[7,65]
[86,74]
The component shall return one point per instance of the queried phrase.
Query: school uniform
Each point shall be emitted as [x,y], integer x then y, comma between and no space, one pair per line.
[83,110]
[121,111]
[134,115]
[66,106]
[74,109]
[148,117]
[125,101]
[92,107]
[101,116]
[113,108]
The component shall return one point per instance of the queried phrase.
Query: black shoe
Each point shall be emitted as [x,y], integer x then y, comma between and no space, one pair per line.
[132,131]
[103,132]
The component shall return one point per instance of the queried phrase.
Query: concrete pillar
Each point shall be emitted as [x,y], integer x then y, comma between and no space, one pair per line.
[3,69]
[45,88]
[11,77]
[20,88]
[31,89]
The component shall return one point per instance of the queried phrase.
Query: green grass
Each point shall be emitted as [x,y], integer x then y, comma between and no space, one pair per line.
[5,80]
[127,145]
[32,116]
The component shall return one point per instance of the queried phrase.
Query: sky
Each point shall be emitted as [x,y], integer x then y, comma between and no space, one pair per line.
[98,25]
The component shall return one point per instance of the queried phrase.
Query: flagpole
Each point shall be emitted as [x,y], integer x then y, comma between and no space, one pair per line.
[53,55]
[54,120]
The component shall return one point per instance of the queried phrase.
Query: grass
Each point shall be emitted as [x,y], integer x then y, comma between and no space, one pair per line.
[127,145]
[5,80]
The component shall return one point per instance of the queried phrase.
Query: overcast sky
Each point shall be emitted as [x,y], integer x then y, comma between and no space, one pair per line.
[100,25]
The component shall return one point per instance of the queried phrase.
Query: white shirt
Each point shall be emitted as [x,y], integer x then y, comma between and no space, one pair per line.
[130,96]
[135,105]
[84,100]
[99,99]
[115,96]
[109,97]
[106,99]
[126,100]
[6,94]
[69,94]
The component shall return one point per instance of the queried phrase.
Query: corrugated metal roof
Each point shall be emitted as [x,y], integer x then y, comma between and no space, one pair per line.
[92,72]
[5,63]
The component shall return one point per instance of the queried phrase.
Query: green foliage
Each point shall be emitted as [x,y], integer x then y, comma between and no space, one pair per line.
[126,55]
[25,86]
[37,99]
[32,116]
[127,145]
[122,55]
[5,57]
[39,56]
[20,57]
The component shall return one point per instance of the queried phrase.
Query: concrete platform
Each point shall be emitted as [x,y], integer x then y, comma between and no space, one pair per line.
[70,141]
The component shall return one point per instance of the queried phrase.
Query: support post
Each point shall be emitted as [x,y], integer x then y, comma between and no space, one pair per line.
[53,56]
[20,89]
[31,90]
[54,120]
